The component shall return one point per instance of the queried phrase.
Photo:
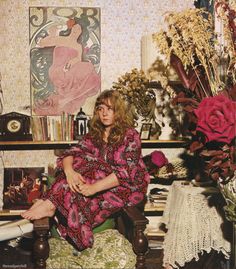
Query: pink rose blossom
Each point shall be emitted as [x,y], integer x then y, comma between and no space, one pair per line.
[217,118]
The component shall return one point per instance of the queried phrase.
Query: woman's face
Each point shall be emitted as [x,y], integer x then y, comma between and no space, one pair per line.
[53,30]
[106,114]
[76,29]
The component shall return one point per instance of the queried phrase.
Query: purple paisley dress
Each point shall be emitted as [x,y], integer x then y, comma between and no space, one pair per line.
[77,215]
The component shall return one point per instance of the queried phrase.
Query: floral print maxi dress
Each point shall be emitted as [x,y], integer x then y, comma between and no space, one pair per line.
[78,215]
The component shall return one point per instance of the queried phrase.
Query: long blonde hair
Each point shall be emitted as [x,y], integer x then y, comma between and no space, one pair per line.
[122,121]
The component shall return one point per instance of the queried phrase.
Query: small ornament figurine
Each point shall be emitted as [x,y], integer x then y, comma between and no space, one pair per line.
[81,122]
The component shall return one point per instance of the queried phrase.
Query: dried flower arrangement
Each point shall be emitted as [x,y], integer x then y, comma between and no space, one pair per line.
[148,103]
[190,44]
[207,70]
[190,37]
[141,99]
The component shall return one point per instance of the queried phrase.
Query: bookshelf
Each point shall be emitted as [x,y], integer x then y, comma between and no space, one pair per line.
[154,210]
[149,144]
[34,145]
[44,145]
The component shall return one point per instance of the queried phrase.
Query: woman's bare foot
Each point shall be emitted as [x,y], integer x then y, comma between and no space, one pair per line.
[37,203]
[42,209]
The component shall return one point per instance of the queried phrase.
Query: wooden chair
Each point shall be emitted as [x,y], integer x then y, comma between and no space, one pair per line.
[130,222]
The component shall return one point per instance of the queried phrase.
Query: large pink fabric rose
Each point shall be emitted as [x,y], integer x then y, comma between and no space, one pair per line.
[217,118]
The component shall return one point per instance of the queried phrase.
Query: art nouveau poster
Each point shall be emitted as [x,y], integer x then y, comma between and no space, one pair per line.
[65,58]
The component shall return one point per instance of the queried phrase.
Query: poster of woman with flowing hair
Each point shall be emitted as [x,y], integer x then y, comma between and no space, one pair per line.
[65,58]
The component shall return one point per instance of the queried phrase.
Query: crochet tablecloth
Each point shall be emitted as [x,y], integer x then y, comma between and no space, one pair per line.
[193,225]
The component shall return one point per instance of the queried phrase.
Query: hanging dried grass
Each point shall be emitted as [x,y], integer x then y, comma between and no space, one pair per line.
[192,39]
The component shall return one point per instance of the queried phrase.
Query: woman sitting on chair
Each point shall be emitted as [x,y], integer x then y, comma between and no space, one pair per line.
[103,173]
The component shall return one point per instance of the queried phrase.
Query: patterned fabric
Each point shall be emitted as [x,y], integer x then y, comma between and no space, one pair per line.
[77,214]
[110,251]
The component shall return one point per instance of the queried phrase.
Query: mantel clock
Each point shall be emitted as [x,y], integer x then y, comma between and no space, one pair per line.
[15,126]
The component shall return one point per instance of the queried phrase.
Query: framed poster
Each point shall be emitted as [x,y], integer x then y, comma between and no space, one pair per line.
[64,58]
[21,187]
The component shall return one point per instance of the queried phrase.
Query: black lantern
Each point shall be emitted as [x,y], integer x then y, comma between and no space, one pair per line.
[81,127]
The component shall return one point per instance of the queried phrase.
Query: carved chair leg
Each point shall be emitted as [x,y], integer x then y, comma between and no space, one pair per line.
[139,241]
[140,246]
[41,246]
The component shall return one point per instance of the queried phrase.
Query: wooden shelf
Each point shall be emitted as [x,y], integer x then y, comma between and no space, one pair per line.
[44,145]
[164,143]
[33,145]
[11,212]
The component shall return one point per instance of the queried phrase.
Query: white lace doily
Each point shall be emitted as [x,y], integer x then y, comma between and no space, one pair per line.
[193,226]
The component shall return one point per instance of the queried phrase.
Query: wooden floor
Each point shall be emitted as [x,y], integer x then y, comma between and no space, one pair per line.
[212,260]
[12,257]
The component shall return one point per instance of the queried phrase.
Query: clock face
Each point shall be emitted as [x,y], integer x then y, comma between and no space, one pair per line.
[13,126]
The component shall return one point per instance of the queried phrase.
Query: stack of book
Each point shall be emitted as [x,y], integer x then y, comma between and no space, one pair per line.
[155,233]
[53,128]
[154,208]
[156,199]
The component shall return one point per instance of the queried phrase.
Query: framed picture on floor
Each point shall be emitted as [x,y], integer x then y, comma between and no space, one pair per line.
[22,186]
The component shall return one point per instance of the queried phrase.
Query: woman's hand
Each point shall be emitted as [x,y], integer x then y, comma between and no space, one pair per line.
[70,63]
[87,189]
[74,179]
